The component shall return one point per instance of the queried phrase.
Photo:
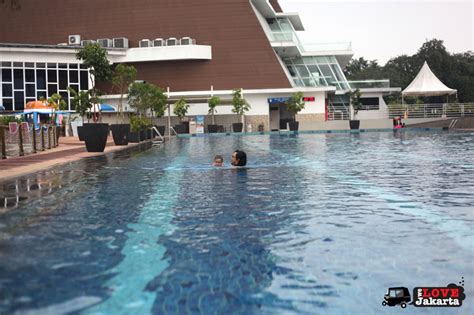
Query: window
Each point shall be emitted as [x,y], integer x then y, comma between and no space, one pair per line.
[41,79]
[40,94]
[6,75]
[52,77]
[30,90]
[73,76]
[19,100]
[18,78]
[7,89]
[29,75]
[84,80]
[370,103]
[52,88]
[62,80]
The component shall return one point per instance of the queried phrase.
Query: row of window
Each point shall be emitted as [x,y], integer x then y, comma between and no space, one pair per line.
[316,71]
[25,82]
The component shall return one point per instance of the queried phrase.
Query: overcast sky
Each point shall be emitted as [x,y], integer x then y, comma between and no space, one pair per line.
[381,29]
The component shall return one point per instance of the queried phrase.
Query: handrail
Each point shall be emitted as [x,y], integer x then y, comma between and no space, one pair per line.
[175,133]
[158,132]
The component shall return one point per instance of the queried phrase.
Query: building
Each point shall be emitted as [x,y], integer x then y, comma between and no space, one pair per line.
[192,48]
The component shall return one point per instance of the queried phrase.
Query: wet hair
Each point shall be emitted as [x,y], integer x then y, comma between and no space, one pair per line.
[218,157]
[242,157]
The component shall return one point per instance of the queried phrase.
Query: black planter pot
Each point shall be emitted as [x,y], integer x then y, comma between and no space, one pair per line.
[142,135]
[80,133]
[95,136]
[354,124]
[294,125]
[120,133]
[161,129]
[212,128]
[134,136]
[237,127]
[180,129]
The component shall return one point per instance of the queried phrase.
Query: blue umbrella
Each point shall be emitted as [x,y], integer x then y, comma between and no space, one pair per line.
[2,109]
[107,108]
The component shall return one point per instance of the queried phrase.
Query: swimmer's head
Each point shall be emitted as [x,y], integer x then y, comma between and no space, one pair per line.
[218,161]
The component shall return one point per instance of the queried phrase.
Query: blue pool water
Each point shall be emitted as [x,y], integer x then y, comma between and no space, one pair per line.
[317,224]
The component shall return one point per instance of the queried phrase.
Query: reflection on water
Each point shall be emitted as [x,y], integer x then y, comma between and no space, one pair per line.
[317,224]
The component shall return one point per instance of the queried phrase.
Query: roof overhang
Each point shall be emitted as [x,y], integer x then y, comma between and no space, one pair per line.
[266,9]
[67,54]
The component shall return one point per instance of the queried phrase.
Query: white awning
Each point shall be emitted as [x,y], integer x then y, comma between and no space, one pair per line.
[427,84]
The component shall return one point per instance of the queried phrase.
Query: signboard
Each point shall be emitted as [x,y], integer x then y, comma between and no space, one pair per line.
[199,124]
[308,99]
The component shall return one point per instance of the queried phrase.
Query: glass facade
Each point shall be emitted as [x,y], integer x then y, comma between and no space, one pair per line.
[22,82]
[316,71]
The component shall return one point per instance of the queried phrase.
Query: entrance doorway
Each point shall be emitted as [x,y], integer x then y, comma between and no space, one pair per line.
[279,116]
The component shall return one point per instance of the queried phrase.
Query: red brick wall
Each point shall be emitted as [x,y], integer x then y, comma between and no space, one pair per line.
[242,55]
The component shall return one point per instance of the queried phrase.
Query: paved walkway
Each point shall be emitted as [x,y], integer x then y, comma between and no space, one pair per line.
[69,149]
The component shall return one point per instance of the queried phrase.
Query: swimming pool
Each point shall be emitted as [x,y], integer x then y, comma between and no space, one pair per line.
[317,224]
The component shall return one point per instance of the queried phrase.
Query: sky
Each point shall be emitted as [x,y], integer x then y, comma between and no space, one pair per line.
[383,29]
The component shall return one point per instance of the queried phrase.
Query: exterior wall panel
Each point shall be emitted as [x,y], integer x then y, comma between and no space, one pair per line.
[242,55]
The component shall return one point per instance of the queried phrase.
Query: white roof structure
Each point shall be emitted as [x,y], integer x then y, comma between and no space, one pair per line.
[427,84]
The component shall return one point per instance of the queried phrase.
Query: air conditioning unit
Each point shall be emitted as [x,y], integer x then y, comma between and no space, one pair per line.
[172,41]
[74,39]
[144,43]
[105,42]
[121,42]
[87,42]
[187,41]
[158,42]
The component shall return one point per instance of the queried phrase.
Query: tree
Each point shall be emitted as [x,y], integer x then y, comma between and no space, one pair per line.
[83,100]
[122,78]
[296,103]
[240,105]
[145,96]
[213,102]
[355,101]
[94,57]
[181,108]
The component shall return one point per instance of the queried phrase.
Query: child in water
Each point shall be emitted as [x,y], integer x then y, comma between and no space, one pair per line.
[218,161]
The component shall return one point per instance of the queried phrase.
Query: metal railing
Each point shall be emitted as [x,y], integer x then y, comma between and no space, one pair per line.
[441,110]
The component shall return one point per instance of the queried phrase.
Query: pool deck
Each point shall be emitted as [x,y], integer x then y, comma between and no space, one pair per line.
[70,149]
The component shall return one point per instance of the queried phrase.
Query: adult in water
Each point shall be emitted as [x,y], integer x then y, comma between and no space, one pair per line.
[239,158]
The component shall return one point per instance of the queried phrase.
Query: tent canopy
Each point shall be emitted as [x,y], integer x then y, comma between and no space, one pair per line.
[427,84]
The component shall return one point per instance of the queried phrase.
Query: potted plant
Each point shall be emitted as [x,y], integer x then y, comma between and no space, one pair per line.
[213,103]
[146,96]
[240,106]
[295,105]
[122,78]
[356,106]
[180,109]
[81,101]
[94,57]
[135,126]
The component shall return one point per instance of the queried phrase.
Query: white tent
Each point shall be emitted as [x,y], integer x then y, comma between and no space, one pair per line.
[427,84]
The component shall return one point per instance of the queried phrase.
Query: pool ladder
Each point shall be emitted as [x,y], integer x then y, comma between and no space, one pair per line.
[161,140]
